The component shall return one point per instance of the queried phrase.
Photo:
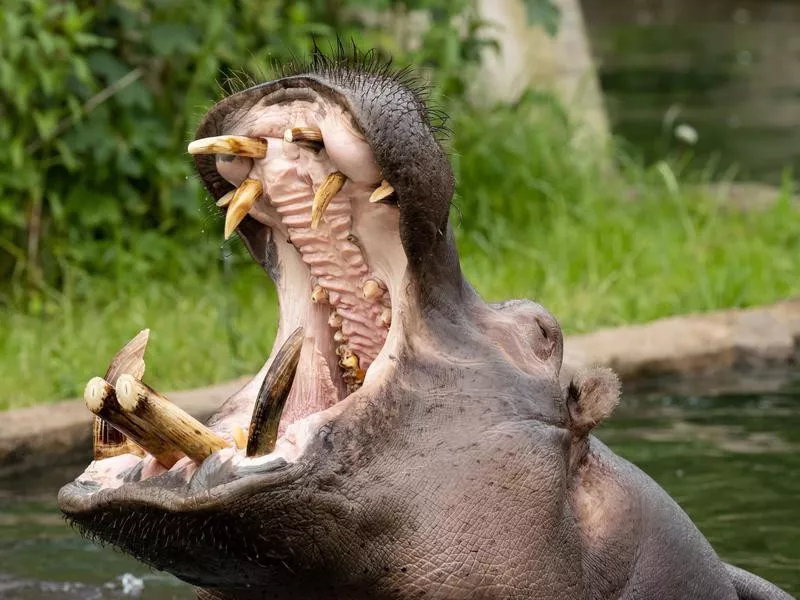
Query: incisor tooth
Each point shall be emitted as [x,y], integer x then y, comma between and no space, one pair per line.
[101,399]
[325,193]
[108,441]
[383,191]
[319,295]
[170,422]
[230,144]
[226,199]
[302,134]
[241,203]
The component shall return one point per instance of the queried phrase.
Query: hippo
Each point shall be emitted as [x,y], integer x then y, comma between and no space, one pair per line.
[405,439]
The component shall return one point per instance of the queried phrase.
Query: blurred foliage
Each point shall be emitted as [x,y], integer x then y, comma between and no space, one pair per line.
[99,98]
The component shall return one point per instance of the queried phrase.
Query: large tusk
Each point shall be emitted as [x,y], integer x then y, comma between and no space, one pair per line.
[325,193]
[138,400]
[382,192]
[303,134]
[272,396]
[108,441]
[230,144]
[243,200]
[101,399]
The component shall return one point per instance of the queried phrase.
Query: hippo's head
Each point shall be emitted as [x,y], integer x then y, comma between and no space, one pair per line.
[425,442]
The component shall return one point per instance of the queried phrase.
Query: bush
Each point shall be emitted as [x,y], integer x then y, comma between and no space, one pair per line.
[99,99]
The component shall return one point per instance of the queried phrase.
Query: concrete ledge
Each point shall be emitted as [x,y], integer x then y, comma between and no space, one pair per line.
[692,344]
[60,433]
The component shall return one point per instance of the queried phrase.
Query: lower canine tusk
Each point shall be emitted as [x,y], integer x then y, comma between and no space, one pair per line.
[101,399]
[239,145]
[196,440]
[325,193]
[240,204]
[382,192]
[272,396]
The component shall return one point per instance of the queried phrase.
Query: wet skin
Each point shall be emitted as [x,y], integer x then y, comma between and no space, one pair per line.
[460,468]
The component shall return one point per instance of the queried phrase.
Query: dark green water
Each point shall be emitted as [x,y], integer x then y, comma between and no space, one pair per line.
[731,459]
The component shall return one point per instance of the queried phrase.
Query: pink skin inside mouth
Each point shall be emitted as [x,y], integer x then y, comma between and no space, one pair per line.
[355,242]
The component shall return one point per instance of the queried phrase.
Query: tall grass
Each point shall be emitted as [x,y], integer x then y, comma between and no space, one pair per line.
[594,236]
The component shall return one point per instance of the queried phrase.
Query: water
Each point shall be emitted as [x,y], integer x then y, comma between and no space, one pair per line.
[729,69]
[730,458]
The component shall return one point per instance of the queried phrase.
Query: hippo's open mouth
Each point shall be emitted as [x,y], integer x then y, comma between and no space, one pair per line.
[290,165]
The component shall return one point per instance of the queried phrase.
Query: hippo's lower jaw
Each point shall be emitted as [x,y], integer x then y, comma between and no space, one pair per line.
[426,447]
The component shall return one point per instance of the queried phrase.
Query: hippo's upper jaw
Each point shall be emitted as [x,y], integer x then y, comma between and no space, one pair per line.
[426,448]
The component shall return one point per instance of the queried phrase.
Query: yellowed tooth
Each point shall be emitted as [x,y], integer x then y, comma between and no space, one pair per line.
[349,361]
[319,295]
[143,404]
[335,320]
[372,289]
[241,203]
[239,437]
[386,316]
[302,134]
[383,191]
[325,193]
[101,399]
[238,145]
[226,199]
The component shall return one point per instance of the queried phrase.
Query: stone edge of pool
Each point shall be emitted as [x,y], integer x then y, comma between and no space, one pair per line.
[692,344]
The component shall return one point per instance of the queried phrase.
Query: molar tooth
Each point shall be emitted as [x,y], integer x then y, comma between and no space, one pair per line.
[101,399]
[243,200]
[272,396]
[171,422]
[386,316]
[372,289]
[239,145]
[325,193]
[382,192]
[319,295]
[335,320]
[226,199]
[302,134]
[349,361]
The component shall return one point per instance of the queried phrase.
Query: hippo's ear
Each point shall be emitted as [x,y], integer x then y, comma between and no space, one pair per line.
[591,398]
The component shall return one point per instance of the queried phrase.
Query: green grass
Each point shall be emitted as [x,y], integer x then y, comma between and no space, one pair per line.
[540,217]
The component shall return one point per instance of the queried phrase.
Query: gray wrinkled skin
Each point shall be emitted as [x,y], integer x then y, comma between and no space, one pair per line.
[466,475]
